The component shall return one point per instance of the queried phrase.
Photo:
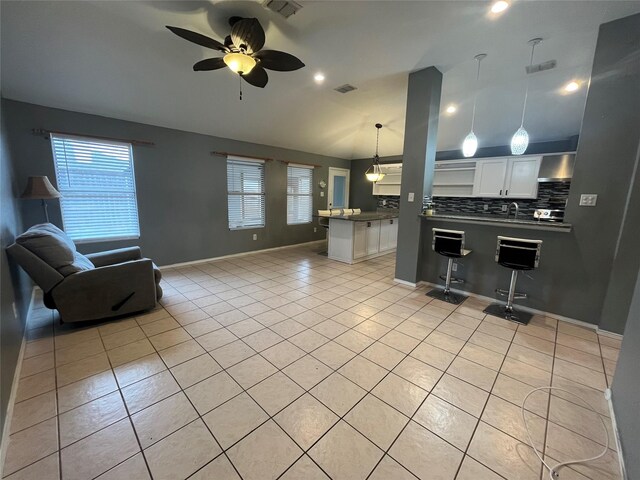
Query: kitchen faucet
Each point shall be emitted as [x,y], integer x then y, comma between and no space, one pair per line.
[512,204]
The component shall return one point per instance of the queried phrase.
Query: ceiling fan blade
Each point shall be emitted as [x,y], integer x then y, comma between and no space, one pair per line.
[198,38]
[209,64]
[279,61]
[248,34]
[257,77]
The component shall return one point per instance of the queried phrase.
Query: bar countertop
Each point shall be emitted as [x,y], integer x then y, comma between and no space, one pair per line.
[364,216]
[498,221]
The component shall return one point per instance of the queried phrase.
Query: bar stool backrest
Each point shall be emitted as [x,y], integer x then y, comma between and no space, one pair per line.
[518,253]
[449,243]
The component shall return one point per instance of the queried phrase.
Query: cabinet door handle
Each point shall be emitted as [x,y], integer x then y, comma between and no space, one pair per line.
[506,192]
[368,224]
[500,192]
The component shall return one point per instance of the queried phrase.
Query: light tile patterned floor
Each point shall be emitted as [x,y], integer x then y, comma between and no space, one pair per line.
[288,365]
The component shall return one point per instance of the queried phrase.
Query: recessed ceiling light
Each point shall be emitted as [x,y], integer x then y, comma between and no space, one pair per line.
[571,86]
[318,77]
[451,109]
[499,6]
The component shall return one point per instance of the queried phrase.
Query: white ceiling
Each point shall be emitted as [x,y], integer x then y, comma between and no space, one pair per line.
[116,59]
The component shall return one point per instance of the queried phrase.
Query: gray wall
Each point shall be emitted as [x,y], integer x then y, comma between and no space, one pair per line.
[14,286]
[609,146]
[626,388]
[181,188]
[360,189]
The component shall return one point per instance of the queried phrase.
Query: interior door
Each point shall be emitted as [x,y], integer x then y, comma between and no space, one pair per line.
[338,189]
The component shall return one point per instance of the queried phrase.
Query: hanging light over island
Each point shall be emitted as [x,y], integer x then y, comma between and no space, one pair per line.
[374,173]
[470,143]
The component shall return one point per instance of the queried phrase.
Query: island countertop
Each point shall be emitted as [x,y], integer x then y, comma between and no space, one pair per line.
[498,221]
[364,216]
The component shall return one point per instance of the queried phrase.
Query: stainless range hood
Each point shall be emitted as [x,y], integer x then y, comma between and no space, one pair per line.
[557,168]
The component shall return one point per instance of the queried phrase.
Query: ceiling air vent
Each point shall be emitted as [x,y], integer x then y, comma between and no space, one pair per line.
[541,67]
[346,88]
[284,8]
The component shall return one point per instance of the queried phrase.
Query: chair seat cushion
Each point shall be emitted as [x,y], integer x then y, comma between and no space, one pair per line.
[55,248]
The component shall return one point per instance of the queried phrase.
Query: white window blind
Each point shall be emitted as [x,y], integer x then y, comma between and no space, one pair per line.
[245,188]
[97,183]
[299,194]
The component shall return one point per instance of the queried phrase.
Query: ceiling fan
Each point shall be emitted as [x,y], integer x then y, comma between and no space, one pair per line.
[243,52]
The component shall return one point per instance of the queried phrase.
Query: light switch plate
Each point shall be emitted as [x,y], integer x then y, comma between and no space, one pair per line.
[322,194]
[411,196]
[588,199]
[255,236]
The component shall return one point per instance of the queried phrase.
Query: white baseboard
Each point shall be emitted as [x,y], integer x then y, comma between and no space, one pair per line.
[612,414]
[14,386]
[404,282]
[534,311]
[205,260]
[606,333]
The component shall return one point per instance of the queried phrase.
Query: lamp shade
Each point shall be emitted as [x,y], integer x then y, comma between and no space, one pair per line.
[40,188]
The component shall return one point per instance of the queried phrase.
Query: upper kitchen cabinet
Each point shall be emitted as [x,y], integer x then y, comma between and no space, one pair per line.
[390,183]
[510,177]
[454,178]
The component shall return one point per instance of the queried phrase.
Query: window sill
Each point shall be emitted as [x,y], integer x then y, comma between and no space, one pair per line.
[103,239]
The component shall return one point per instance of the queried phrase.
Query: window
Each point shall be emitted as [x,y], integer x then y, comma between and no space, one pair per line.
[299,194]
[95,178]
[245,187]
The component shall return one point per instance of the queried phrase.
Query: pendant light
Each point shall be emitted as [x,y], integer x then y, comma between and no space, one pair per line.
[470,143]
[374,173]
[520,139]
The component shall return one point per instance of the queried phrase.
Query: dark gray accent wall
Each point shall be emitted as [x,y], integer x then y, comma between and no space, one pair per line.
[609,145]
[626,388]
[553,146]
[181,187]
[419,154]
[14,285]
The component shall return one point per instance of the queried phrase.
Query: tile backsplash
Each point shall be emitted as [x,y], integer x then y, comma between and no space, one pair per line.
[551,195]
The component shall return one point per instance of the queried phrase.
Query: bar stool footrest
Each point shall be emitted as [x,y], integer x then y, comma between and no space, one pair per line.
[453,279]
[505,293]
[449,297]
[513,315]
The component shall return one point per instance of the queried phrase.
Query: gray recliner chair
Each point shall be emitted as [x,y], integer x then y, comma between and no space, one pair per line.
[91,287]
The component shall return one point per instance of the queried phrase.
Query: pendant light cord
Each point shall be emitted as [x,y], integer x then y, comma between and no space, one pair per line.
[526,92]
[475,97]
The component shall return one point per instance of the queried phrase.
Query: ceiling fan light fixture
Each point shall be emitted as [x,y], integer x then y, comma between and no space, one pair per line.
[239,62]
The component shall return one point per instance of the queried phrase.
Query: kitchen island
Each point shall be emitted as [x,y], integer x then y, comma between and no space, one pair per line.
[518,222]
[355,238]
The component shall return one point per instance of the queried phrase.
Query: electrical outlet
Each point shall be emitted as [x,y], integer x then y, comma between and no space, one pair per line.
[454,267]
[384,203]
[322,194]
[315,229]
[588,199]
[485,207]
[411,196]
[504,208]
[15,309]
[255,236]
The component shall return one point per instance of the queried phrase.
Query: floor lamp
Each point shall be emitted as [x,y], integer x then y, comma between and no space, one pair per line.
[40,188]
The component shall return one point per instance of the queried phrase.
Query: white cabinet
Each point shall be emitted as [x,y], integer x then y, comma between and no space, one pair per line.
[390,183]
[521,180]
[509,177]
[351,241]
[388,234]
[453,178]
[489,177]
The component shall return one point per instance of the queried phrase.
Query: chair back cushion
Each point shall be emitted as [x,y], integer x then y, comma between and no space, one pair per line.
[55,248]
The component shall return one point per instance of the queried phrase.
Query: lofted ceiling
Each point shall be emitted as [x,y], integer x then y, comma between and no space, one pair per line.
[116,59]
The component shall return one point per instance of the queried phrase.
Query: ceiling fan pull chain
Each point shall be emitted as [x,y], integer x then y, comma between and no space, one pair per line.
[240,80]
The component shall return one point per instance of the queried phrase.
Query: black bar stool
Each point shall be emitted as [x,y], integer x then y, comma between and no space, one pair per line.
[450,244]
[518,254]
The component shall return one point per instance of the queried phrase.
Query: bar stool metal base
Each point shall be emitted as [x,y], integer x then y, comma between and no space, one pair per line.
[449,297]
[513,315]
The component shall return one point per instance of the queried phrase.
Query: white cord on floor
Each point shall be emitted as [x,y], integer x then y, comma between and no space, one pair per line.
[553,470]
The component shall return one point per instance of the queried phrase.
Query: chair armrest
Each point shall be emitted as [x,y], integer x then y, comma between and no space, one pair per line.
[106,291]
[111,257]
